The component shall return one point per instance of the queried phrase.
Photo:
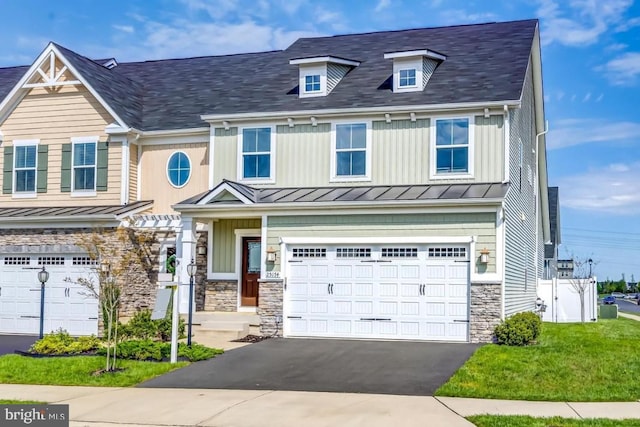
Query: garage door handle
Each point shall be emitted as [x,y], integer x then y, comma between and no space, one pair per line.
[294,317]
[93,318]
[368,260]
[368,318]
[30,317]
[461,321]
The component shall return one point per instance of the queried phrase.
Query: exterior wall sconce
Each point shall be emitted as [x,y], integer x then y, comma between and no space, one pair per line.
[201,250]
[484,256]
[271,255]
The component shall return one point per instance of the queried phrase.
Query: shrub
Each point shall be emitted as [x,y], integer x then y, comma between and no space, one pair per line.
[197,352]
[519,330]
[156,350]
[60,342]
[143,328]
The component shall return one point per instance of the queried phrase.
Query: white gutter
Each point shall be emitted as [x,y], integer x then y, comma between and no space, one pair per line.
[356,111]
[538,191]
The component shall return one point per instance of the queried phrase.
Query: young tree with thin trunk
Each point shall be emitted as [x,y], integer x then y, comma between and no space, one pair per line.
[582,279]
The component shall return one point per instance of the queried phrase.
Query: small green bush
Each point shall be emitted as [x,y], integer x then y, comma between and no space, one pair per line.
[141,327]
[156,350]
[519,330]
[60,342]
[197,352]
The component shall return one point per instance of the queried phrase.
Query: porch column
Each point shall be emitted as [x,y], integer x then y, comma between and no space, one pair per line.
[185,252]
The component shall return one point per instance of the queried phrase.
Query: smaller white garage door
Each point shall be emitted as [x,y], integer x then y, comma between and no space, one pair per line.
[66,305]
[377,291]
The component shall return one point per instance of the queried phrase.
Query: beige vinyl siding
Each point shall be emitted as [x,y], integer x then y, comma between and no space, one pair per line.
[133,173]
[224,242]
[225,155]
[54,118]
[481,225]
[520,243]
[400,154]
[155,183]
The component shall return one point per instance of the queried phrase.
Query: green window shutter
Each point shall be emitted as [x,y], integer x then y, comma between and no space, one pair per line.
[102,166]
[65,173]
[43,159]
[7,175]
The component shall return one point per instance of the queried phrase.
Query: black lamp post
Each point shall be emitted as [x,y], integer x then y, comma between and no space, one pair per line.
[590,261]
[191,270]
[43,276]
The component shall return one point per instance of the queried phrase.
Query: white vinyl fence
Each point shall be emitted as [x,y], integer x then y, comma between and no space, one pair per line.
[562,301]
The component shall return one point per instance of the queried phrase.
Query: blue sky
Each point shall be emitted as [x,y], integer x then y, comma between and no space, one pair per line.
[591,65]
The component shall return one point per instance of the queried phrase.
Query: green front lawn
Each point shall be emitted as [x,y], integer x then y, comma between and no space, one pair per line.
[78,370]
[587,362]
[521,421]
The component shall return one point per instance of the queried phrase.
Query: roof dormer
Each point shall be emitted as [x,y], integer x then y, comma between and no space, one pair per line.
[319,75]
[412,69]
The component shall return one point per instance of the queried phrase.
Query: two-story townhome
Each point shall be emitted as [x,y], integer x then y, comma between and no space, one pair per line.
[386,185]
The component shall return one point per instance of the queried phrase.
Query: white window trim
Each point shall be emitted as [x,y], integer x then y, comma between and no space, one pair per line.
[433,164]
[272,157]
[407,64]
[84,140]
[166,169]
[334,177]
[415,78]
[312,70]
[24,194]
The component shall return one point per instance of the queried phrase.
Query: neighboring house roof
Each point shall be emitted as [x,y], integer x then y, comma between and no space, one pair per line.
[554,218]
[484,63]
[76,213]
[330,195]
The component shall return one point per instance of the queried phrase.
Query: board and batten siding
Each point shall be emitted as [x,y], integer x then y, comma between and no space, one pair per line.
[520,243]
[155,182]
[54,118]
[400,154]
[224,242]
[133,173]
[481,225]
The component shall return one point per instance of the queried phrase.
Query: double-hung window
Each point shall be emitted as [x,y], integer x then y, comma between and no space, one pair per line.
[25,164]
[453,144]
[351,157]
[407,78]
[84,165]
[257,154]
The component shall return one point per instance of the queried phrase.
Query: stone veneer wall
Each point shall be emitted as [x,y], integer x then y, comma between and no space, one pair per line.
[270,296]
[221,295]
[485,312]
[138,294]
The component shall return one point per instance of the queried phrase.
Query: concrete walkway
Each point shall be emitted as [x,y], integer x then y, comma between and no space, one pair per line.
[100,406]
[629,316]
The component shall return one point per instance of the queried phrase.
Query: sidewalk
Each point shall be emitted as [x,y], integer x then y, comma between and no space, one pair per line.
[100,406]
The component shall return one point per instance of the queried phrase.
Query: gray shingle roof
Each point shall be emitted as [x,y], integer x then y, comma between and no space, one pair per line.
[379,193]
[485,62]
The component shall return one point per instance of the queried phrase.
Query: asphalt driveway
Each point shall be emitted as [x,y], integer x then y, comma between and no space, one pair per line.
[11,343]
[402,368]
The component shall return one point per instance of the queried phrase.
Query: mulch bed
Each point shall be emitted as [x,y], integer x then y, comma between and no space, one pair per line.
[253,338]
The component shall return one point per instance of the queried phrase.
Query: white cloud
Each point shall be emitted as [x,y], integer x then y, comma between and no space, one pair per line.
[616,47]
[382,4]
[124,28]
[587,20]
[459,16]
[571,132]
[587,97]
[600,97]
[612,189]
[624,69]
[628,24]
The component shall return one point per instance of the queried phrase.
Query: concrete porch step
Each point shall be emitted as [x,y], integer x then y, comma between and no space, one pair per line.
[226,333]
[200,317]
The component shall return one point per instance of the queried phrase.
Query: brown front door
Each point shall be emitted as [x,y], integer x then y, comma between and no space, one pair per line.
[250,271]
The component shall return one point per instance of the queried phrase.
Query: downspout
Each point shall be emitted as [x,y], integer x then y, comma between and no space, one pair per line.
[536,188]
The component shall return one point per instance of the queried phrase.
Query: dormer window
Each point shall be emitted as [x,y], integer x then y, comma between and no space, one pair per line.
[312,83]
[318,76]
[413,69]
[407,77]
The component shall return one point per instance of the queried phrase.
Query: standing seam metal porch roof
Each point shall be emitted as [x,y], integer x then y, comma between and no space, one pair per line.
[484,63]
[381,194]
[72,211]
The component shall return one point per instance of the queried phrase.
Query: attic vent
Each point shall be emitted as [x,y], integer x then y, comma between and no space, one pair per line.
[110,63]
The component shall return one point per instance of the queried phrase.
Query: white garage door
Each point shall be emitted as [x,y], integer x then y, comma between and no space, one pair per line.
[378,292]
[66,306]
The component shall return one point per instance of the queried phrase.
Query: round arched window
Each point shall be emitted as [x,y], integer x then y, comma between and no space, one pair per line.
[178,169]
